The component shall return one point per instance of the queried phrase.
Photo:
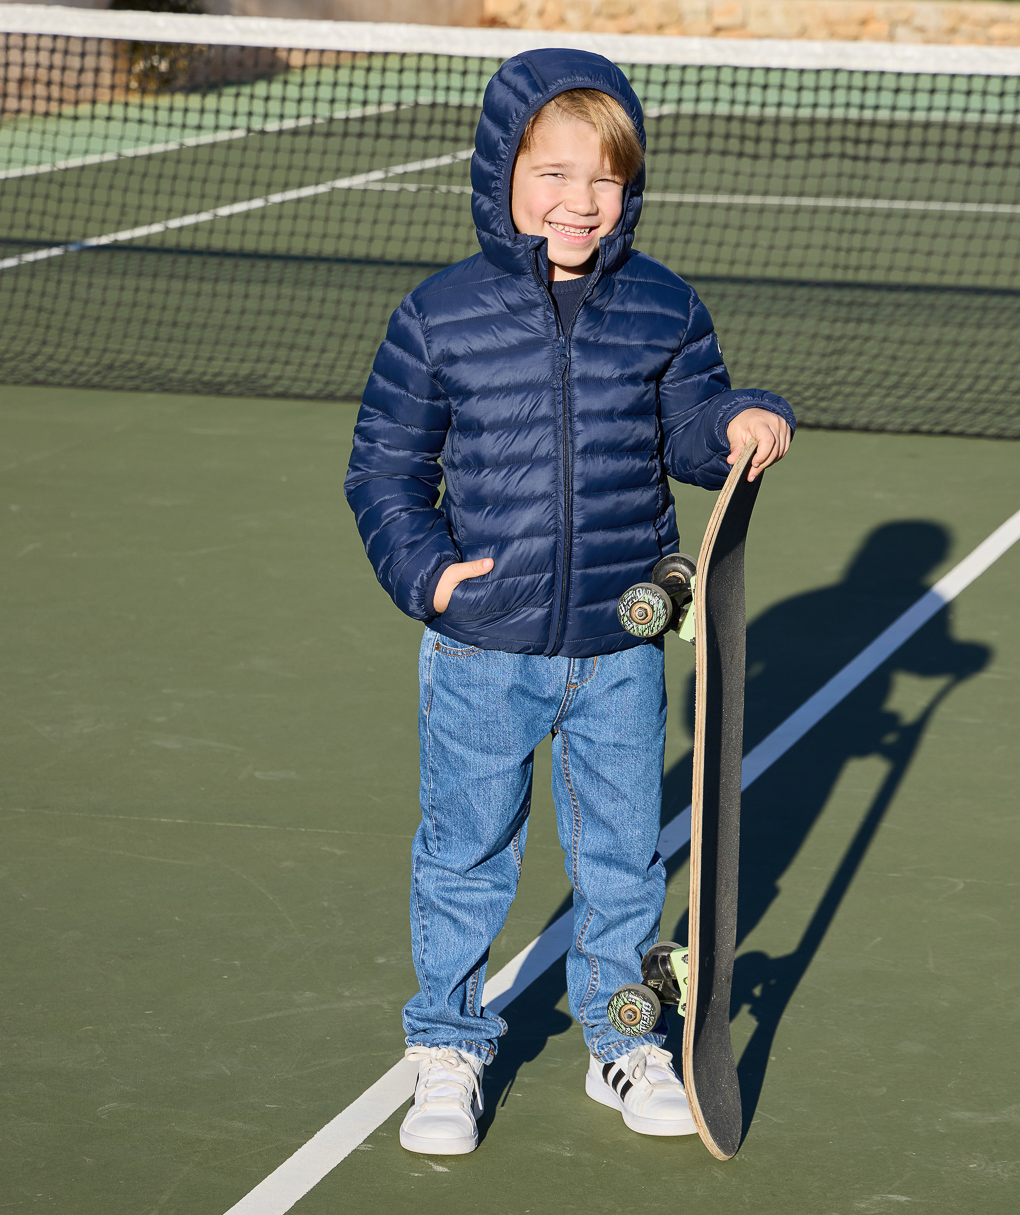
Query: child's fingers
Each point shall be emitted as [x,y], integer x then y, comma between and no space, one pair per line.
[771,432]
[472,569]
[766,445]
[769,447]
[453,576]
[773,443]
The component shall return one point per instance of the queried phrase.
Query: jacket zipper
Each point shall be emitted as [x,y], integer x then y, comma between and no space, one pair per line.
[568,514]
[567,511]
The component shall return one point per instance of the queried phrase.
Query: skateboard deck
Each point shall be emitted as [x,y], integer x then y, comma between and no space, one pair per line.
[697,978]
[709,1069]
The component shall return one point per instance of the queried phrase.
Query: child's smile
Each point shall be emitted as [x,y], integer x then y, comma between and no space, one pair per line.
[572,233]
[563,190]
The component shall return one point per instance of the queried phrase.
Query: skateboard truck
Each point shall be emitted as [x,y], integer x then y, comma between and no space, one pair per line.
[648,609]
[635,1008]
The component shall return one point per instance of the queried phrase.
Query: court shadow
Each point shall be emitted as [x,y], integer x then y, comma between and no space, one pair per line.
[533,1019]
[793,648]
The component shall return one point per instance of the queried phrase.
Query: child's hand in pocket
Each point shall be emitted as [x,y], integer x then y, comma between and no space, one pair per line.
[453,576]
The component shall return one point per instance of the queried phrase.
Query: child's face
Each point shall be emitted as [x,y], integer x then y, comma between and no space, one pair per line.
[564,191]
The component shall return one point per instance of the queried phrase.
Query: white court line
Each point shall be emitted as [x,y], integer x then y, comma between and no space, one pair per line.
[375,180]
[196,141]
[352,1126]
[866,204]
[289,124]
[814,113]
[239,208]
[741,200]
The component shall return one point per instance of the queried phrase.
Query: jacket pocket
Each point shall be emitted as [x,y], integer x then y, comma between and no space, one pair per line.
[474,599]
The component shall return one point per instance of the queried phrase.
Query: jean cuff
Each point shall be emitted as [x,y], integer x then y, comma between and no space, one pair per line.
[611,1051]
[485,1052]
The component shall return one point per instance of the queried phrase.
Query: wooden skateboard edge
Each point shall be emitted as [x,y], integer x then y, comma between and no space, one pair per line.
[738,471]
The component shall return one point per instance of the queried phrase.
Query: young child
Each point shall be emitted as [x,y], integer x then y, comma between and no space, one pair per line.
[559,377]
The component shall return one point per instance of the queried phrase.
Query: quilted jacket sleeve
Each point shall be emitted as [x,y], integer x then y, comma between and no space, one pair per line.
[697,404]
[393,480]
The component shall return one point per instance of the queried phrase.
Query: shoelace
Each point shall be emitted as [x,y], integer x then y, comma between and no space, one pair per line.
[648,1060]
[445,1077]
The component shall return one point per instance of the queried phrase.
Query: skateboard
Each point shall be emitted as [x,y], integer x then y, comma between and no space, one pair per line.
[697,978]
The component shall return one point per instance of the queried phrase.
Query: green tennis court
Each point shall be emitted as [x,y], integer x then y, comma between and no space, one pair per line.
[210,766]
[210,787]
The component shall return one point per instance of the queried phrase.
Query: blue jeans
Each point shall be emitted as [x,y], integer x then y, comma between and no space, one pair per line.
[482,713]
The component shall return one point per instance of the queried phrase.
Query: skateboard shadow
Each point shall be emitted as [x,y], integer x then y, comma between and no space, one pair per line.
[793,648]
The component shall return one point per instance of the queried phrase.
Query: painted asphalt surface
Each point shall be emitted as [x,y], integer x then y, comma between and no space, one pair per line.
[209,791]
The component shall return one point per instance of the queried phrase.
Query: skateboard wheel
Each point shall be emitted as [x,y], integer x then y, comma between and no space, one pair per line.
[655,963]
[634,1010]
[675,574]
[645,610]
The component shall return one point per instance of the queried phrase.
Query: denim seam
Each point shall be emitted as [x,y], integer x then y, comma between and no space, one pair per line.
[593,982]
[483,1050]
[568,697]
[426,810]
[428,706]
[425,989]
[575,844]
[464,653]
[594,668]
[472,992]
[574,807]
[515,843]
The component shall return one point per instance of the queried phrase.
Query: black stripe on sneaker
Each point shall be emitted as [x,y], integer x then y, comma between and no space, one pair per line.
[605,1072]
[625,1090]
[620,1075]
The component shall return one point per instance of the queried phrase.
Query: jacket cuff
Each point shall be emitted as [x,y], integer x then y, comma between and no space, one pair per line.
[756,400]
[430,590]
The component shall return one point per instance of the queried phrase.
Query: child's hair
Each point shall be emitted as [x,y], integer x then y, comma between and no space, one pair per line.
[618,140]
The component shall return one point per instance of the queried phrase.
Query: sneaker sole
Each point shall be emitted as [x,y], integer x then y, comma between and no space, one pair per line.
[437,1147]
[599,1091]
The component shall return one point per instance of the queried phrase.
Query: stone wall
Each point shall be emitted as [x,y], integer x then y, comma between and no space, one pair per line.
[426,12]
[980,22]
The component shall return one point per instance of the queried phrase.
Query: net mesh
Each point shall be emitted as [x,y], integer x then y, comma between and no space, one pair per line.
[222,219]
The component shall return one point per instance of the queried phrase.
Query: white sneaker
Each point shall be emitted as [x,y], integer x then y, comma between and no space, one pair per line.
[645,1089]
[447,1102]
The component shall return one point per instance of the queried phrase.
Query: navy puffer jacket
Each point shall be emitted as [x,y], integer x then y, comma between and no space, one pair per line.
[554,446]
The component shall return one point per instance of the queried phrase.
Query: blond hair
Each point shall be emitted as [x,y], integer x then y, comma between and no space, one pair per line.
[619,144]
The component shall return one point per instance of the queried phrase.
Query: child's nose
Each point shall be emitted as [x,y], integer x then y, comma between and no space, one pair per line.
[582,201]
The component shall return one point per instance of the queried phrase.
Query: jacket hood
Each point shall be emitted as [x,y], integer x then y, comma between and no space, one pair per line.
[519,89]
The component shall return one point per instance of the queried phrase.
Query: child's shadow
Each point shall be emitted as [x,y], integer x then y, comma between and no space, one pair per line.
[793,648]
[534,1019]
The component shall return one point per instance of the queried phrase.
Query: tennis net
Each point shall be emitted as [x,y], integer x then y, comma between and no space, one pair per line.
[235,205]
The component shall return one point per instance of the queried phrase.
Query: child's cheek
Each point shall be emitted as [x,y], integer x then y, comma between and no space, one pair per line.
[546,197]
[612,208]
